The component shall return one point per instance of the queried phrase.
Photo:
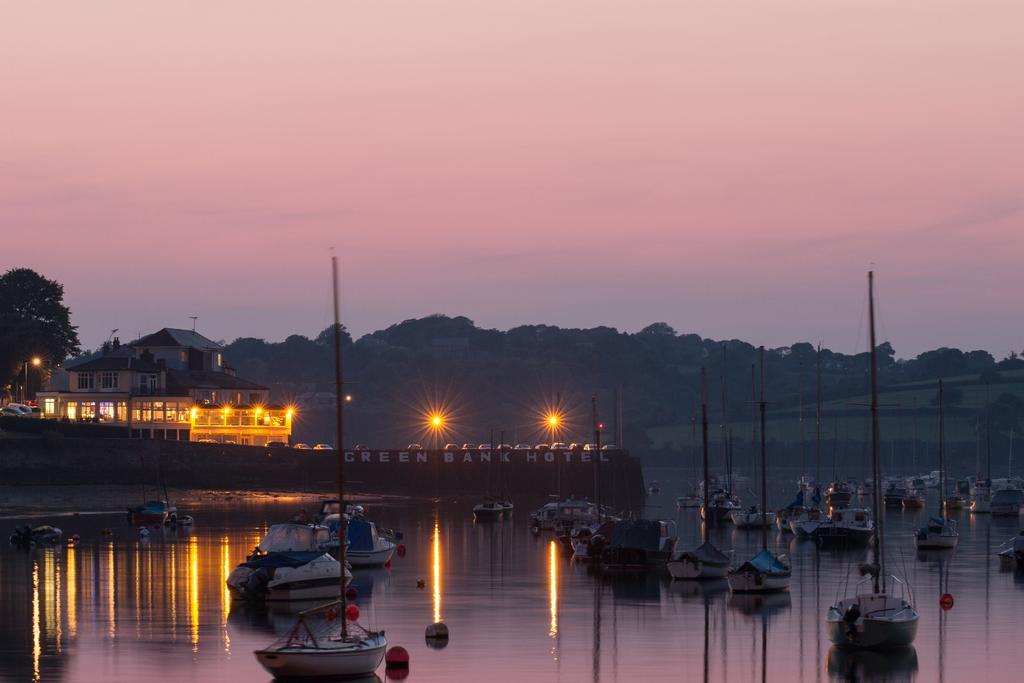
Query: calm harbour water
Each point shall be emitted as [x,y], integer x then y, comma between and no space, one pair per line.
[123,609]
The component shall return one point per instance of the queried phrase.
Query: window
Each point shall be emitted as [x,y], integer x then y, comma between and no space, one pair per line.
[85,380]
[72,411]
[49,406]
[147,384]
[158,411]
[106,411]
[108,380]
[183,356]
[122,411]
[219,362]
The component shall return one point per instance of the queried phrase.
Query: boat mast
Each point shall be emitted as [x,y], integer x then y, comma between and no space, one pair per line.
[764,476]
[704,438]
[342,525]
[803,459]
[817,418]
[597,457]
[942,468]
[753,420]
[879,544]
[725,427]
[490,466]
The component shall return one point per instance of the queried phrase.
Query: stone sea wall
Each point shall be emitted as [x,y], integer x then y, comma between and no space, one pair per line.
[54,459]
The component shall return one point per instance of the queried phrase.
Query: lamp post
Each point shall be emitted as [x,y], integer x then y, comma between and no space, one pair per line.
[36,361]
[553,426]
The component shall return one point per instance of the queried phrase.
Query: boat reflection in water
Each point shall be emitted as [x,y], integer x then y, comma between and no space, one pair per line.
[856,664]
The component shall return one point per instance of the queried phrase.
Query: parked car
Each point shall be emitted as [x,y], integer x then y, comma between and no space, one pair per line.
[206,441]
[323,447]
[484,447]
[504,446]
[542,447]
[414,447]
[20,409]
[302,447]
[468,447]
[13,412]
[559,446]
[573,447]
[609,447]
[360,447]
[451,447]
[588,447]
[274,444]
[522,447]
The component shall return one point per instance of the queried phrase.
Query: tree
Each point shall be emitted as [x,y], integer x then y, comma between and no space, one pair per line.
[33,321]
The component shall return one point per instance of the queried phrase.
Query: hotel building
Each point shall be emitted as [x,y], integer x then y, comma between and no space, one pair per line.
[172,384]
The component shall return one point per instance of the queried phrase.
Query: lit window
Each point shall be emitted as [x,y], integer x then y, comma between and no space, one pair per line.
[106,411]
[49,406]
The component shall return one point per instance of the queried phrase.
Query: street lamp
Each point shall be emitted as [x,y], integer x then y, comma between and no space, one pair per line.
[435,423]
[36,361]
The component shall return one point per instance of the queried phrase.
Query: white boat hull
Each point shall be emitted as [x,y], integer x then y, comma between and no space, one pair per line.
[804,528]
[371,558]
[752,520]
[758,582]
[692,569]
[870,632]
[349,659]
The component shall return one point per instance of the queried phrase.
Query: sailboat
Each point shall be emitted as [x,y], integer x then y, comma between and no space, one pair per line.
[692,499]
[981,503]
[491,508]
[705,561]
[805,522]
[763,572]
[940,532]
[877,618]
[322,643]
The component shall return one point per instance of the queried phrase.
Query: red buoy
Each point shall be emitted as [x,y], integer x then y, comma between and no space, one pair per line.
[400,550]
[352,612]
[387,564]
[946,601]
[397,657]
[351,594]
[332,614]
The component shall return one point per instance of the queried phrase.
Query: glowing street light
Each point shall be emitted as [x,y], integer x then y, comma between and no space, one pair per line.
[436,421]
[37,361]
[553,420]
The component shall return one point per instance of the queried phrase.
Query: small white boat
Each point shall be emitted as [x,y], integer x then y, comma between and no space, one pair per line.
[290,563]
[1013,549]
[567,512]
[752,518]
[846,526]
[704,562]
[489,510]
[366,546]
[806,524]
[314,580]
[937,534]
[872,620]
[1006,502]
[761,574]
[315,649]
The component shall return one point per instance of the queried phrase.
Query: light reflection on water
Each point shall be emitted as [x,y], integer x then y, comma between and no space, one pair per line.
[122,608]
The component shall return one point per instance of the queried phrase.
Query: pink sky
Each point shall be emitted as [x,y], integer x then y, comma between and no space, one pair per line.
[731,168]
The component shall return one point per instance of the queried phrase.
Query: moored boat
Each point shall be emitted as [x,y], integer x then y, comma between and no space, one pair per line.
[848,526]
[152,513]
[877,618]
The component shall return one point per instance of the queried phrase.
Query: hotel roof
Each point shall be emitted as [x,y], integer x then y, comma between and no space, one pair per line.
[170,336]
